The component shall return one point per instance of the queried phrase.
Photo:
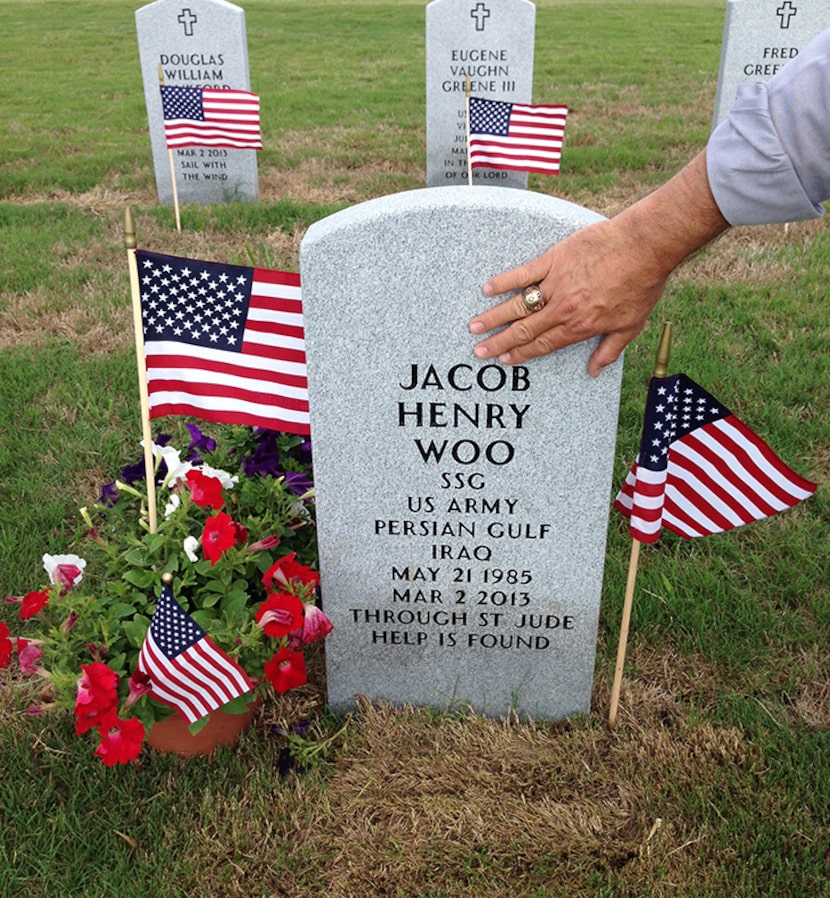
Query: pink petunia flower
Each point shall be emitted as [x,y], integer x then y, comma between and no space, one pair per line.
[316,625]
[120,739]
[65,571]
[286,670]
[28,655]
[139,685]
[267,542]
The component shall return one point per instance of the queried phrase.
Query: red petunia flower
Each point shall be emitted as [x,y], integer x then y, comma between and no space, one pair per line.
[5,645]
[286,569]
[33,603]
[279,614]
[218,535]
[285,670]
[206,491]
[241,534]
[97,696]
[120,739]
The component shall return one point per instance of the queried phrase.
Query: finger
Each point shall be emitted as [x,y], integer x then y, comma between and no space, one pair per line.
[525,339]
[608,351]
[510,310]
[516,278]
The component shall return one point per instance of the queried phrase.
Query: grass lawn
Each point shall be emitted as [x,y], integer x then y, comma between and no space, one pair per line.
[716,780]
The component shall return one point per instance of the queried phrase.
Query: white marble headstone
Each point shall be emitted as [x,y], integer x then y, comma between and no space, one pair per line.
[462,506]
[492,42]
[195,43]
[759,37]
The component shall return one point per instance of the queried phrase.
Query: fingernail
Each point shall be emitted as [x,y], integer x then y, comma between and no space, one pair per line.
[504,358]
[481,352]
[476,327]
[487,290]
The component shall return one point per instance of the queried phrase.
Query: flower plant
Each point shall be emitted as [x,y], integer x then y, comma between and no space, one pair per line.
[240,548]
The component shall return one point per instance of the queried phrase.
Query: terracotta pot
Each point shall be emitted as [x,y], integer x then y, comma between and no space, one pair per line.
[172,736]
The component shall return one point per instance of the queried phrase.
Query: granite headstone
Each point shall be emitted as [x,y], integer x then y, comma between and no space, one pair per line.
[462,506]
[492,42]
[195,43]
[759,37]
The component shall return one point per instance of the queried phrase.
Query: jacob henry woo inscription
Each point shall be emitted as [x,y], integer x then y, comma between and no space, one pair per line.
[462,583]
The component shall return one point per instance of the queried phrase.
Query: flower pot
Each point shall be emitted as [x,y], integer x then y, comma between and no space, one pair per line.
[172,735]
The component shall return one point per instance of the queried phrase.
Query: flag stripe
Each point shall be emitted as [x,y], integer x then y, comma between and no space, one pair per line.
[166,391]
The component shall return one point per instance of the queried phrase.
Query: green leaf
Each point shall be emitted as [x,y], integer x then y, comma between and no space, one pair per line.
[205,619]
[198,725]
[240,704]
[136,556]
[234,604]
[209,600]
[121,609]
[136,629]
[139,578]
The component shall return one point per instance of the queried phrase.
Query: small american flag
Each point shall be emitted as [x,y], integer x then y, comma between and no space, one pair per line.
[700,469]
[186,670]
[210,117]
[516,136]
[223,342]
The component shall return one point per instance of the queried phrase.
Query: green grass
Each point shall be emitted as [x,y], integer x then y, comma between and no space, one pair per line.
[723,734]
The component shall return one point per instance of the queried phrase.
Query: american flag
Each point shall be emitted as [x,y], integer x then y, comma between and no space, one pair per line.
[700,469]
[223,342]
[516,136]
[186,670]
[210,117]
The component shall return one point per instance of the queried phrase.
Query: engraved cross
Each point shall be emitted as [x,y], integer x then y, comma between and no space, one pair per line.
[480,14]
[785,12]
[188,20]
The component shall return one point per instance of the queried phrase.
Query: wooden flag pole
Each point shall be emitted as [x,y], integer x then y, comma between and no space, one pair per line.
[175,189]
[172,171]
[661,369]
[469,161]
[138,329]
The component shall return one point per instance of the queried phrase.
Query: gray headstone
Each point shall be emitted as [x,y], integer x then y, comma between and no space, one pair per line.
[195,43]
[462,507]
[492,41]
[759,37]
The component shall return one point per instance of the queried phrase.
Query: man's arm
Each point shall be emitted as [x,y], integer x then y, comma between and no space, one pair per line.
[605,278]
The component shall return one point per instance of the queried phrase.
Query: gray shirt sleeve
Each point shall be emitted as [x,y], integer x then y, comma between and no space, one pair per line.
[769,160]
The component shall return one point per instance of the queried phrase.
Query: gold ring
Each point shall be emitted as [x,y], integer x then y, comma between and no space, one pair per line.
[532,298]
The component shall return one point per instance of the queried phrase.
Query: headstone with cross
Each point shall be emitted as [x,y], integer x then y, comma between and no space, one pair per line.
[195,43]
[759,37]
[491,41]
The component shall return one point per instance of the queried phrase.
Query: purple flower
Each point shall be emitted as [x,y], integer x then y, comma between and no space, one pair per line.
[297,482]
[109,495]
[265,460]
[199,443]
